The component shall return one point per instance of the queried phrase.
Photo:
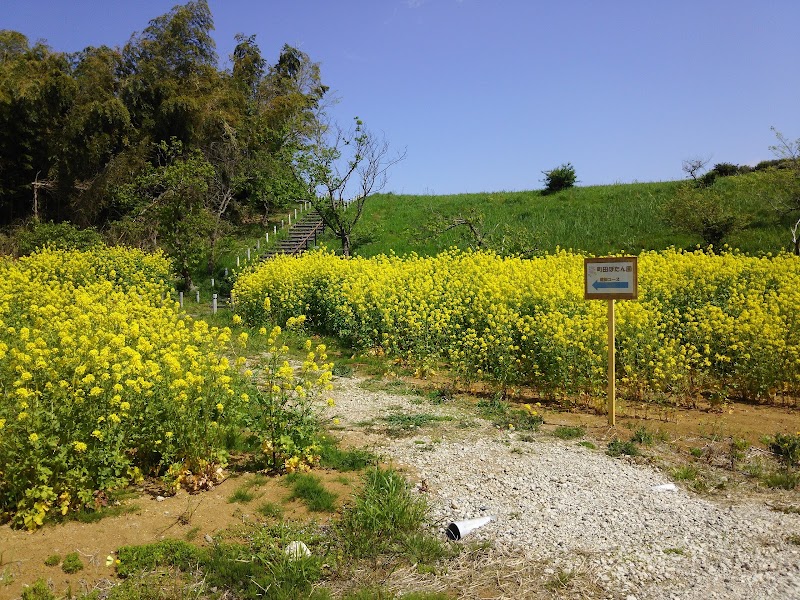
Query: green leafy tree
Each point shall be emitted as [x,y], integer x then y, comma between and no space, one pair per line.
[169,205]
[703,212]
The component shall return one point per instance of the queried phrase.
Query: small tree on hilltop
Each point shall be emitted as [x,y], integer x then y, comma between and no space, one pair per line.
[340,172]
[784,188]
[560,178]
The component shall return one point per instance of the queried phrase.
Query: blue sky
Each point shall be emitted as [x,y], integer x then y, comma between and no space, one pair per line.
[486,94]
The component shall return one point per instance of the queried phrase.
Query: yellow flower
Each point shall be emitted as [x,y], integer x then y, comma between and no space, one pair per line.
[79,446]
[219,406]
[237,320]
[331,402]
[33,437]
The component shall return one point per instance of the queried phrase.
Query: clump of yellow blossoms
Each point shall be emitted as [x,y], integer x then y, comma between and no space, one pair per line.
[103,378]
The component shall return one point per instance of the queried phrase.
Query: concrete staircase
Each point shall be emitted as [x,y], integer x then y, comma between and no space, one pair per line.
[301,236]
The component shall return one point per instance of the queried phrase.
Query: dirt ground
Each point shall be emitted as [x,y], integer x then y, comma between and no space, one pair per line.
[196,517]
[185,516]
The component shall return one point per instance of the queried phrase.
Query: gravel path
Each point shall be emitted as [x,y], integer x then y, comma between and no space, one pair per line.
[579,508]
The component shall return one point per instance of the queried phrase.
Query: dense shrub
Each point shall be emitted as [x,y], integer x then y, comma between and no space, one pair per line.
[63,236]
[560,178]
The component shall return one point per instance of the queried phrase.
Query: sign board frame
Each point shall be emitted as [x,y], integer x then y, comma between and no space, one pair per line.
[620,283]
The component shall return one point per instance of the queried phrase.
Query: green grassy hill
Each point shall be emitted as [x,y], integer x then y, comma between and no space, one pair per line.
[597,219]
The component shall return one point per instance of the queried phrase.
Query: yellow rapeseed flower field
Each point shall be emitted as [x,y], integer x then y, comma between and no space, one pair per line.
[102,379]
[719,325]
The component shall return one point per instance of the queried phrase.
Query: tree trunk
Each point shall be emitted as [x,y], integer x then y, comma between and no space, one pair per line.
[345,238]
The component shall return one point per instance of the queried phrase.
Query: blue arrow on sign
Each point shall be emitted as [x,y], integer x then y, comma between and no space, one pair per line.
[609,284]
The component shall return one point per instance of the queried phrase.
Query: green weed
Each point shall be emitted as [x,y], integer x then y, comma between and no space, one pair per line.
[786,447]
[685,473]
[382,515]
[560,580]
[783,479]
[350,459]
[241,495]
[270,510]
[617,447]
[72,563]
[566,432]
[38,591]
[400,423]
[642,436]
[309,489]
[52,560]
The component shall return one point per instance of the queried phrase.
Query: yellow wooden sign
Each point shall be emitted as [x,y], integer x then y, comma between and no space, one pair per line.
[611,278]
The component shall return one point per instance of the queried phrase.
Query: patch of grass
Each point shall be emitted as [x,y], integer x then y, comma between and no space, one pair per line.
[696,452]
[392,386]
[72,563]
[642,436]
[308,488]
[52,560]
[438,396]
[192,533]
[270,510]
[542,221]
[794,539]
[783,479]
[678,551]
[38,591]
[566,432]
[402,423]
[248,570]
[342,370]
[372,592]
[617,447]
[588,445]
[145,558]
[423,549]
[88,515]
[503,415]
[350,459]
[786,447]
[560,580]
[685,473]
[383,514]
[242,495]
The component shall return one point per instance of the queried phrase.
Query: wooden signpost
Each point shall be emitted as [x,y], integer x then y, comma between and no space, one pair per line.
[611,278]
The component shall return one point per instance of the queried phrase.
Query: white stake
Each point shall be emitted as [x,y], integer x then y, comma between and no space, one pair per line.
[238,264]
[214,304]
[248,253]
[180,298]
[212,282]
[198,296]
